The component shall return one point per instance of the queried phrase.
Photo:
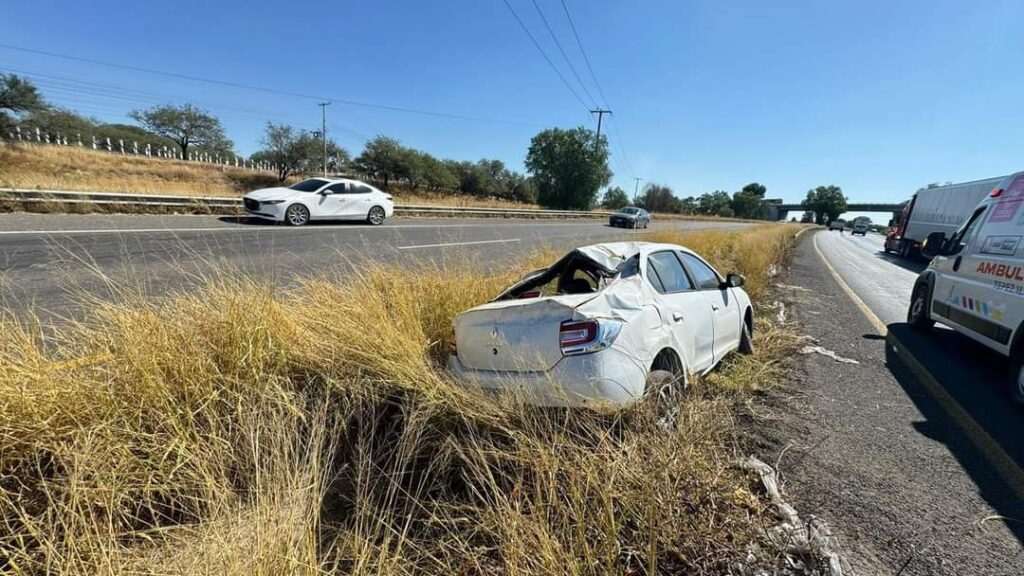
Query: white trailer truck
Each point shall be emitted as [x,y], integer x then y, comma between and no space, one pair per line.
[940,209]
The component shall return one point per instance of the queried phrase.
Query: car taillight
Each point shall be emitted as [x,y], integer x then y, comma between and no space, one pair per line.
[588,336]
[576,333]
[995,193]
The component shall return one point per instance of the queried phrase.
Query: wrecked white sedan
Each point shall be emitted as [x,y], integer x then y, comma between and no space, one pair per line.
[604,324]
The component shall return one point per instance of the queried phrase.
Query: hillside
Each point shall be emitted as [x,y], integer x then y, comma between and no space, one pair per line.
[77,169]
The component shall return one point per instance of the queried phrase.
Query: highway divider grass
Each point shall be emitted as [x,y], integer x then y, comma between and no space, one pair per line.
[245,429]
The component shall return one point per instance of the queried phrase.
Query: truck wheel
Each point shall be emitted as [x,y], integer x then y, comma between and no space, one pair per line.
[917,315]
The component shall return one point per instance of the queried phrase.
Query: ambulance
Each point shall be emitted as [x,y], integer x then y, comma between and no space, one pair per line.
[975,282]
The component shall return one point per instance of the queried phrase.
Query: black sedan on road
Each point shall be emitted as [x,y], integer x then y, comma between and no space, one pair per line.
[630,217]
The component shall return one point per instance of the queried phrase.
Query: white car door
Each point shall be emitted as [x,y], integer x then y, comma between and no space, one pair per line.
[330,202]
[360,201]
[684,309]
[725,310]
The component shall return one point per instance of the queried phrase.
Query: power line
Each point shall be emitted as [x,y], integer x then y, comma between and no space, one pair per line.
[269,90]
[586,59]
[562,52]
[542,53]
[579,44]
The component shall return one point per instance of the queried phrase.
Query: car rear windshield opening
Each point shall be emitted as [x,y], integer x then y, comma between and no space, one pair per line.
[573,274]
[311,185]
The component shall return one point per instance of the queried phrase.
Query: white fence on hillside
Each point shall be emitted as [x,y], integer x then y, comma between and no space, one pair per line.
[133,148]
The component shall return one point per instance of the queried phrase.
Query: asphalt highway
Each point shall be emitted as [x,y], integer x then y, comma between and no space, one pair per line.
[48,262]
[874,445]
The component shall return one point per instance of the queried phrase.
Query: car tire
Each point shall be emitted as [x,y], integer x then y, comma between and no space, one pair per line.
[917,314]
[663,384]
[296,215]
[376,216]
[746,339]
[646,223]
[1017,377]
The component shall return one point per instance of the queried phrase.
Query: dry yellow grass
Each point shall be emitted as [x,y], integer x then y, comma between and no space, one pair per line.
[77,169]
[86,170]
[244,429]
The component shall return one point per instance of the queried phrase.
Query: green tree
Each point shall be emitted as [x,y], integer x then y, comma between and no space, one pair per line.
[295,152]
[568,166]
[827,202]
[383,159]
[18,96]
[60,121]
[187,125]
[749,202]
[714,204]
[658,198]
[614,198]
[688,205]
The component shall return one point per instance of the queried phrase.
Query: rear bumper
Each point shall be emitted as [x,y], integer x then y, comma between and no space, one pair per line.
[606,377]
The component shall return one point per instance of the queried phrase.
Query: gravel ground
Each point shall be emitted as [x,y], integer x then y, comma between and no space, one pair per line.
[863,447]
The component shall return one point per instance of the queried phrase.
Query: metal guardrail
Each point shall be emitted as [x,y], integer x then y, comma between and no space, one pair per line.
[127,199]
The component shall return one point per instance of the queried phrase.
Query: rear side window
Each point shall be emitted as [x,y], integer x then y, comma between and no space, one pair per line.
[338,188]
[361,189]
[702,273]
[669,272]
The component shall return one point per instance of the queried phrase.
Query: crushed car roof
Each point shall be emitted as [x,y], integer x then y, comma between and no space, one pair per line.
[610,254]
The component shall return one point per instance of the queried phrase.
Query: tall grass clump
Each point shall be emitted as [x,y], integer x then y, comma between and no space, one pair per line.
[243,429]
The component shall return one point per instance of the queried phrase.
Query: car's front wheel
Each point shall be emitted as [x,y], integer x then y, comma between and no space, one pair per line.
[917,315]
[375,216]
[1017,377]
[296,215]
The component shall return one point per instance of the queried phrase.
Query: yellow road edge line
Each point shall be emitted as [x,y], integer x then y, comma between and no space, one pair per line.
[867,312]
[1007,469]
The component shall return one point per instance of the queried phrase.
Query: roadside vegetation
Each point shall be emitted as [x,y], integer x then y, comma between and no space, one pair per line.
[247,429]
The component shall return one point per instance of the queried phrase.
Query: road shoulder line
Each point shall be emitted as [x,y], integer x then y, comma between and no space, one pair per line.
[865,310]
[1007,469]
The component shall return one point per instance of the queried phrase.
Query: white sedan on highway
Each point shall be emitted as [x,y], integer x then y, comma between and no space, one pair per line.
[320,199]
[604,325]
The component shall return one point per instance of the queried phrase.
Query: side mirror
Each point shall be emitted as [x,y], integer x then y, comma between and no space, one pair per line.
[934,244]
[735,280]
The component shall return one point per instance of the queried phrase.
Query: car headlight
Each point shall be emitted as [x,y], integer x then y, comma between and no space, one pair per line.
[271,201]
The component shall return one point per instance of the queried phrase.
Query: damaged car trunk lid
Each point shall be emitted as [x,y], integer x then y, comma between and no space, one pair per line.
[515,335]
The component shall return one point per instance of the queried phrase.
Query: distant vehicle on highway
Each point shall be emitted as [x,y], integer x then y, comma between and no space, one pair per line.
[630,217]
[859,228]
[837,225]
[605,324]
[320,199]
[975,282]
[940,209]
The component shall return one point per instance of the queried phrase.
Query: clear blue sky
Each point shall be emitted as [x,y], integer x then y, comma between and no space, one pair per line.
[878,97]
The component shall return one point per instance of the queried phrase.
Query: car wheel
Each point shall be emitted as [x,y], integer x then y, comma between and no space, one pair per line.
[746,340]
[296,215]
[646,223]
[664,384]
[1017,378]
[375,216]
[917,315]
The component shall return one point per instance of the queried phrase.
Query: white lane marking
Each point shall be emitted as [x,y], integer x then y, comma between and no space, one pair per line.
[459,243]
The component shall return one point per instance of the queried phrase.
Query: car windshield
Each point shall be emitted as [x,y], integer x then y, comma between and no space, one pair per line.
[630,210]
[311,185]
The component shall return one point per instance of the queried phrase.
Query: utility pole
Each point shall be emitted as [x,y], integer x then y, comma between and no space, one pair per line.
[600,114]
[636,187]
[323,130]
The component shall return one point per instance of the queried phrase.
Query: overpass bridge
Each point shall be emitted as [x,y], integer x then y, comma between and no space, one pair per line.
[780,211]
